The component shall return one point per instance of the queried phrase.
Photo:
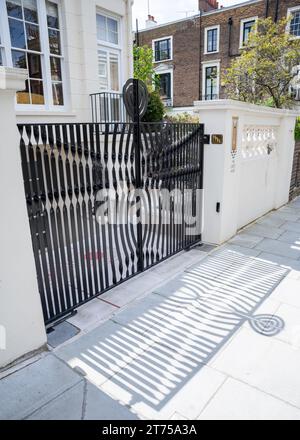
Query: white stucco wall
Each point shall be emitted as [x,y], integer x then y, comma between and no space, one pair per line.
[22,327]
[79,34]
[251,182]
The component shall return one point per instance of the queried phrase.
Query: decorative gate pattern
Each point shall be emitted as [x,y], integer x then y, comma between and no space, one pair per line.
[65,167]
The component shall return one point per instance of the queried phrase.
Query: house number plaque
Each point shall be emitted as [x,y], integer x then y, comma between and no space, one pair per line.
[217,139]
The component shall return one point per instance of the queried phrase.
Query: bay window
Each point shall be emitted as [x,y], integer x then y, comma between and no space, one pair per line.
[31,39]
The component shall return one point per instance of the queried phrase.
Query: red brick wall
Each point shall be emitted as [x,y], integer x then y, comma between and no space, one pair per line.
[187,56]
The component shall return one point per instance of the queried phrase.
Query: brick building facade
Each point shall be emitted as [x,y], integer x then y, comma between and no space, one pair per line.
[190,54]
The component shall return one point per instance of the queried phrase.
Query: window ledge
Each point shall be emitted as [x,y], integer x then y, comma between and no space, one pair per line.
[42,114]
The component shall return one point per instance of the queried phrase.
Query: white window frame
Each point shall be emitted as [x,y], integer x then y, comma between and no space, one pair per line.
[160,71]
[243,21]
[171,51]
[289,16]
[207,29]
[45,57]
[111,47]
[205,64]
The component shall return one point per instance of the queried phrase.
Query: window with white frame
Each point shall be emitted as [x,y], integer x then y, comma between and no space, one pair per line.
[247,26]
[162,49]
[31,40]
[109,53]
[294,16]
[211,81]
[212,36]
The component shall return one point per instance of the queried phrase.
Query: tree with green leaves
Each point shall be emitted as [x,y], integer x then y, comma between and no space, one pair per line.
[267,67]
[144,71]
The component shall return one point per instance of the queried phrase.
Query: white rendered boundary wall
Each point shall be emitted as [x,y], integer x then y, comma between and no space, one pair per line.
[22,328]
[249,173]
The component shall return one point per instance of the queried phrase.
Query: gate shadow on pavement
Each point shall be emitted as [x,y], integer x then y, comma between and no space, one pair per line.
[157,346]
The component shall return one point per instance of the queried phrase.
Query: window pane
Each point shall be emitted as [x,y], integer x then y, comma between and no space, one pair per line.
[14,8]
[112,25]
[165,85]
[37,92]
[35,66]
[103,69]
[52,15]
[54,42]
[295,24]
[30,11]
[55,69]
[23,97]
[57,91]
[1,59]
[33,37]
[101,28]
[17,34]
[162,50]
[212,36]
[19,59]
[248,27]
[114,72]
[112,37]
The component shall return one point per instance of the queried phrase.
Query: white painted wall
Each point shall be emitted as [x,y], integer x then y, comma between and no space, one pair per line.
[79,33]
[250,183]
[22,327]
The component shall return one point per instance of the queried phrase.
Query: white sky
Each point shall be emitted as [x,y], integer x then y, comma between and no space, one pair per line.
[168,10]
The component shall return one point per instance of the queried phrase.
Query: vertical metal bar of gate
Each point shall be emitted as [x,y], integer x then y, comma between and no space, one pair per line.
[138,178]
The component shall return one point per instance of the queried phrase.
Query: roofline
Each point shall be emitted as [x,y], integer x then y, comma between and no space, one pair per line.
[203,14]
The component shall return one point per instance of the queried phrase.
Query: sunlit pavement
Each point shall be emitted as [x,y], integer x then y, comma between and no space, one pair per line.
[210,334]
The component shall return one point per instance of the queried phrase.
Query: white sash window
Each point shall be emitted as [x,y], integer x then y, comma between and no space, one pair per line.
[109,53]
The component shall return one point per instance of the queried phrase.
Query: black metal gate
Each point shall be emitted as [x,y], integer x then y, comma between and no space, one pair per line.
[74,172]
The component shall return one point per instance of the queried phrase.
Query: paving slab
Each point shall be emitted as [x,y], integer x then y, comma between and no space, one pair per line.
[270,221]
[288,292]
[291,226]
[133,289]
[161,382]
[263,231]
[246,239]
[103,352]
[238,401]
[68,406]
[291,331]
[34,386]
[100,406]
[61,334]
[92,314]
[279,248]
[270,365]
[290,237]
[143,315]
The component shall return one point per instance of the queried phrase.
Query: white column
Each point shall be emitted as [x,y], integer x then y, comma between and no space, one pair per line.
[22,327]
[221,175]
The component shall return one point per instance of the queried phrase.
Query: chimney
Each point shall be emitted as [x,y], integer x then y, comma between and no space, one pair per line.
[151,21]
[208,5]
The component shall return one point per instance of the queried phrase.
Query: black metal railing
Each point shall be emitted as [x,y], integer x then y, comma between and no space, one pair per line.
[79,253]
[108,107]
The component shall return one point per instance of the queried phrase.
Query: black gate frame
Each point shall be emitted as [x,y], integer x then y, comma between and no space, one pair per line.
[65,165]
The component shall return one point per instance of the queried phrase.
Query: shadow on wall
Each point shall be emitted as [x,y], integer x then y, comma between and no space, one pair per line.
[156,347]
